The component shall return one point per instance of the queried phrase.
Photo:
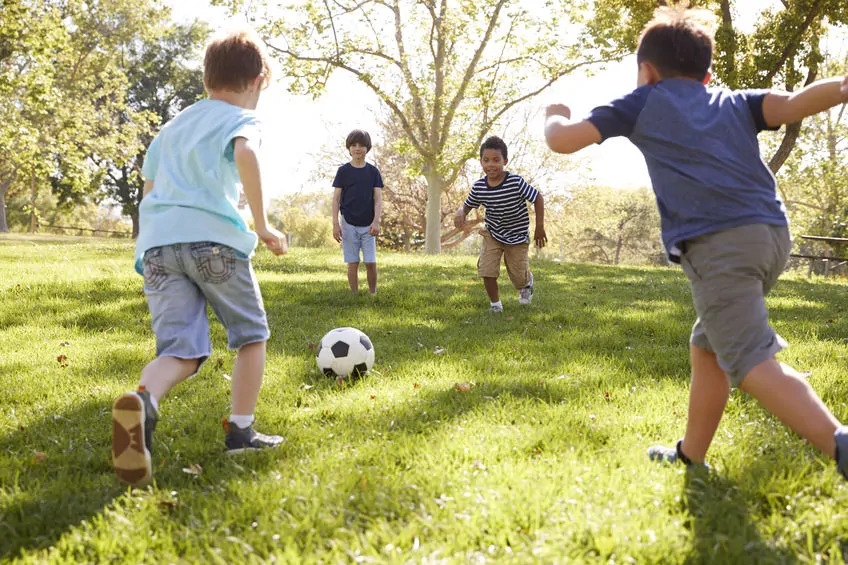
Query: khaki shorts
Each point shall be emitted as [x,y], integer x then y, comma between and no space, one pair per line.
[730,273]
[516,259]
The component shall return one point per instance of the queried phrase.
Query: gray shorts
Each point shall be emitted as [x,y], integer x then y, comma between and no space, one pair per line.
[180,279]
[730,272]
[355,238]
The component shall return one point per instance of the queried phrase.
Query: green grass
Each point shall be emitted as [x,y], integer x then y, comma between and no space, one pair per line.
[542,461]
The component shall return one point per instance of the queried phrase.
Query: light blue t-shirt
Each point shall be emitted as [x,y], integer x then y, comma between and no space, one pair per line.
[700,145]
[196,183]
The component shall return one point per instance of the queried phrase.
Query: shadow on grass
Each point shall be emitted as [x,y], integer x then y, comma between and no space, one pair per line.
[719,519]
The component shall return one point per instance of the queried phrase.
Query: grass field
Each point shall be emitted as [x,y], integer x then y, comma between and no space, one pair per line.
[542,461]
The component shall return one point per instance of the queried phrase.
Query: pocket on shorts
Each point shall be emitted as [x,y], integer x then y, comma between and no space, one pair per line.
[215,263]
[153,269]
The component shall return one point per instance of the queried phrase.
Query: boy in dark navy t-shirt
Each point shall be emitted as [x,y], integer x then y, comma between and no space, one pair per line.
[721,220]
[358,196]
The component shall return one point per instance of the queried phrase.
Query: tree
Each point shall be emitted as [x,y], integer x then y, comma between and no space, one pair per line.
[446,70]
[161,82]
[61,93]
[782,51]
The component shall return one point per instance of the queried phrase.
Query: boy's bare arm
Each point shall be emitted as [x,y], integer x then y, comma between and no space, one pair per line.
[789,107]
[337,229]
[562,135]
[378,211]
[461,212]
[539,235]
[148,186]
[247,163]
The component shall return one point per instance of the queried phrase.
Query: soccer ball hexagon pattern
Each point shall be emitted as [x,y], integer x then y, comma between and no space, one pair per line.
[345,351]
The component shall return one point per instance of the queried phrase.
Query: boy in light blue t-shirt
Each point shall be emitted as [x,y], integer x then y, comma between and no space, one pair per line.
[194,249]
[721,220]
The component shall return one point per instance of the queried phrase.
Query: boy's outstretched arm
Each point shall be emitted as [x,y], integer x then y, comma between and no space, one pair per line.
[789,107]
[562,135]
[247,163]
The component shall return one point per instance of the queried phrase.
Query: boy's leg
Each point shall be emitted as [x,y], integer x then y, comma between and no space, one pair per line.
[708,394]
[517,261]
[178,312]
[488,268]
[371,272]
[233,293]
[369,257]
[794,402]
[353,276]
[248,372]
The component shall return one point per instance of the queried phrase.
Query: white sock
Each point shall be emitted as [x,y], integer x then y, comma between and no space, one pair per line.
[154,402]
[498,303]
[241,420]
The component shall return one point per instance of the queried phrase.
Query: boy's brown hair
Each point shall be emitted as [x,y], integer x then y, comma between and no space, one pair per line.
[233,60]
[678,42]
[359,136]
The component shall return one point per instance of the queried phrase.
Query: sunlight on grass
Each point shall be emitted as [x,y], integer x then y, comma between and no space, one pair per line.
[542,459]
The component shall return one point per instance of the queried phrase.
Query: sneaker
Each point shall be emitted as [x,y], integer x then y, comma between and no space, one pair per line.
[133,422]
[494,308]
[663,454]
[841,455]
[525,295]
[240,440]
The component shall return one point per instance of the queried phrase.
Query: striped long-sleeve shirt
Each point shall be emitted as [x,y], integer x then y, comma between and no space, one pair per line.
[506,207]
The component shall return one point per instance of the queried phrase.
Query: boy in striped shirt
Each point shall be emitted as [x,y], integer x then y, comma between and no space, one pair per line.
[507,233]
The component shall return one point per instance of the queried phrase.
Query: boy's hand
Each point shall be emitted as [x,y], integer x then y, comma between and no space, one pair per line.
[337,233]
[558,110]
[459,219]
[374,228]
[540,237]
[273,240]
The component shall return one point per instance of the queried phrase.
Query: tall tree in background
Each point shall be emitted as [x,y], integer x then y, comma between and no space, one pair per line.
[62,93]
[161,82]
[783,51]
[448,70]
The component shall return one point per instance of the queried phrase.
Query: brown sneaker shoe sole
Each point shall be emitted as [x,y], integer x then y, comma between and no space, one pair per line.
[130,456]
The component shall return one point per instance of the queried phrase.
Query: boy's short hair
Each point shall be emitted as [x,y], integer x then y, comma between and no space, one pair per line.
[494,142]
[233,60]
[678,42]
[359,136]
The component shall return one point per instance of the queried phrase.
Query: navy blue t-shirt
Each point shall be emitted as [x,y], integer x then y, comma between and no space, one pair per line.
[701,149]
[358,184]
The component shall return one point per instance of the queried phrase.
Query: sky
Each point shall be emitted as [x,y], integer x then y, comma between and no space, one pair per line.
[297,128]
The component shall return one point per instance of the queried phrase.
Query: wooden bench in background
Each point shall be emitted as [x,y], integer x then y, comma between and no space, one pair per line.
[831,261]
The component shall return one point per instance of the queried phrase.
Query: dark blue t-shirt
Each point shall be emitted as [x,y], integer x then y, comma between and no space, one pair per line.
[701,149]
[358,184]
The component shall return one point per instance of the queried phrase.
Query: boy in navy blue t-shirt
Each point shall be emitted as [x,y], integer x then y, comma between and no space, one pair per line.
[721,220]
[358,195]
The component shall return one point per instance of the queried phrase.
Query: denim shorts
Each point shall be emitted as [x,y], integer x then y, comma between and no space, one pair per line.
[730,272]
[355,238]
[179,281]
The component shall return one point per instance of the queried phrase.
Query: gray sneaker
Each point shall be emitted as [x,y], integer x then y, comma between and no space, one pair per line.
[525,295]
[495,308]
[663,454]
[841,455]
[133,422]
[239,440]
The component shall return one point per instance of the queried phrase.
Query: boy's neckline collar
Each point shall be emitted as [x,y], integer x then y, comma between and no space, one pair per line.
[364,164]
[486,178]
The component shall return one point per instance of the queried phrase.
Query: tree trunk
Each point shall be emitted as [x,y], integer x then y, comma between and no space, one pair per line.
[782,154]
[134,218]
[4,186]
[33,219]
[433,233]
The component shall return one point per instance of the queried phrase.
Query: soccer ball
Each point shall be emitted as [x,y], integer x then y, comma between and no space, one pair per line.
[344,351]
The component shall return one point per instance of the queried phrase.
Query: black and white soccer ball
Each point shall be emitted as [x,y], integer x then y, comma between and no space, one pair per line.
[344,352]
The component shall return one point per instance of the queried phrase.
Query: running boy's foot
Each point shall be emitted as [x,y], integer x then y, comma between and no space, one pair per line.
[133,422]
[525,295]
[240,440]
[841,437]
[663,454]
[495,308]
